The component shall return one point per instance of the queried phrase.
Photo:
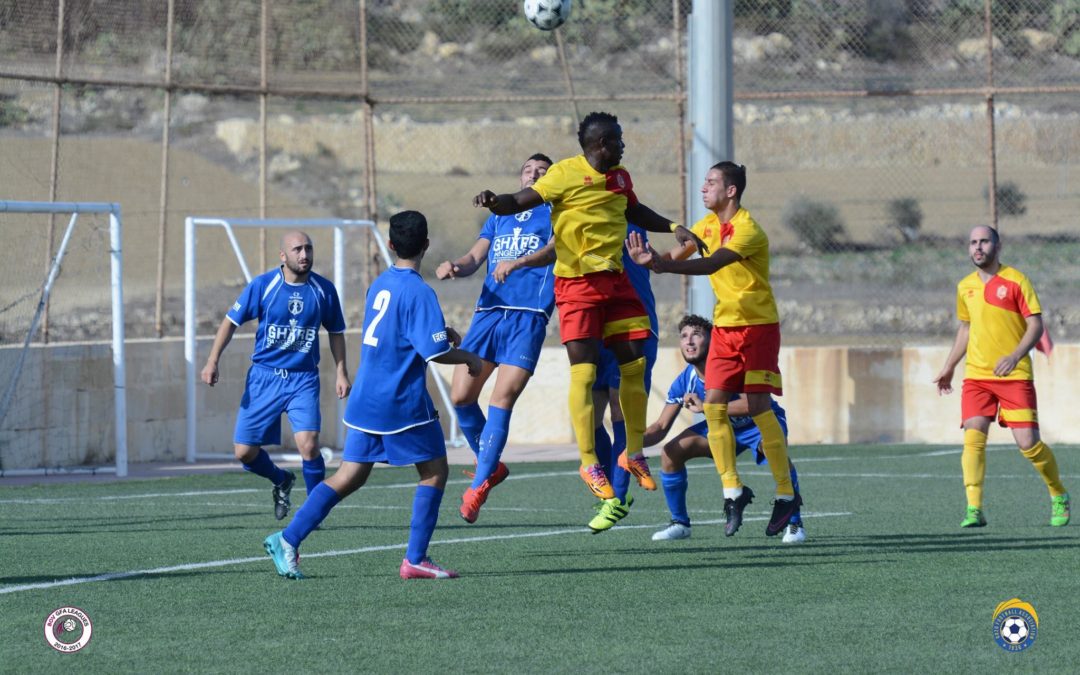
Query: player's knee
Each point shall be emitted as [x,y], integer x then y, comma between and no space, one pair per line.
[245,453]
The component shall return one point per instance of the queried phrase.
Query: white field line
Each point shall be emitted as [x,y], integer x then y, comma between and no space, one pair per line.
[210,564]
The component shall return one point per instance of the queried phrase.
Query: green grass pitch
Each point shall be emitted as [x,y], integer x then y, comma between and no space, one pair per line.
[172,574]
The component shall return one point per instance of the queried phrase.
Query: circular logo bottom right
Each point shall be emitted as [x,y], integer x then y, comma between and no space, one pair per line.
[1016,625]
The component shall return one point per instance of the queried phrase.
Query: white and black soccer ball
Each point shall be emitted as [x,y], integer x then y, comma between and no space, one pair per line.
[70,625]
[1014,630]
[547,14]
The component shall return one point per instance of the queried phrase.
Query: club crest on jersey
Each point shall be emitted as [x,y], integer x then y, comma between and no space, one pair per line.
[296,303]
[1002,292]
[523,216]
[588,180]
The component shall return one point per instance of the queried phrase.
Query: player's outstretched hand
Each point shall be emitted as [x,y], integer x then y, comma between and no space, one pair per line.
[640,251]
[683,235]
[446,270]
[485,200]
[473,363]
[453,337]
[944,381]
[210,374]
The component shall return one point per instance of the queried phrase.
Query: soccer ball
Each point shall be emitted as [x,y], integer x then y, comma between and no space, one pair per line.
[547,14]
[70,625]
[1014,630]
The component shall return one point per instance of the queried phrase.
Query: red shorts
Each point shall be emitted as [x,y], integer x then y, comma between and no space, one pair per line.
[601,305]
[745,359]
[1011,401]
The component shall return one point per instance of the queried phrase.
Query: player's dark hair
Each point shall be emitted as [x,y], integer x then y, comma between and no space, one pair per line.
[539,157]
[734,174]
[593,126]
[408,233]
[695,321]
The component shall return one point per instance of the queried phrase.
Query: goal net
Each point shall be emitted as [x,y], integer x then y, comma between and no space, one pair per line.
[61,337]
[208,293]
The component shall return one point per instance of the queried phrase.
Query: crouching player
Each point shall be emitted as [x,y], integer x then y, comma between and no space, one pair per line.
[390,415]
[688,391]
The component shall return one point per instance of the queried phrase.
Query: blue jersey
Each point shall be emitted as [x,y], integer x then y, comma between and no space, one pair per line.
[404,328]
[688,382]
[511,237]
[289,318]
[639,279]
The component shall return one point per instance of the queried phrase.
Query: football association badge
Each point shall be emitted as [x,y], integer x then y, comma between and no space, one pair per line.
[1016,625]
[296,303]
[68,629]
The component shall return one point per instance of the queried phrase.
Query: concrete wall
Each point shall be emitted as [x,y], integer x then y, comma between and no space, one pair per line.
[63,411]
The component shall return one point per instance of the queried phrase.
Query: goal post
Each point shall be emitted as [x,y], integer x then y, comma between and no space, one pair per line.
[229,226]
[117,300]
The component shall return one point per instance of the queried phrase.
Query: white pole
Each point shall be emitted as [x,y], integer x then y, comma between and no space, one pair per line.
[119,375]
[189,334]
[339,284]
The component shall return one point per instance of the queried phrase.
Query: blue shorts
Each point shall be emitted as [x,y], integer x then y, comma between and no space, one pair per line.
[511,337]
[270,392]
[746,438]
[607,371]
[412,446]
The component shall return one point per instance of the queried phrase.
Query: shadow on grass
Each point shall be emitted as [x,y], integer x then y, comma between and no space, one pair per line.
[100,525]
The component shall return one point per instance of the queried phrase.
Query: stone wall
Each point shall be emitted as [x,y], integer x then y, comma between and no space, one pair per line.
[832,395]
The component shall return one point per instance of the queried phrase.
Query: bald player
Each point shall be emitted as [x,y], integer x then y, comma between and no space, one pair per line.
[290,302]
[1000,321]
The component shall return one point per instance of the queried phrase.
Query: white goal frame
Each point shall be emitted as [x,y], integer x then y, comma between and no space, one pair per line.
[116,261]
[190,320]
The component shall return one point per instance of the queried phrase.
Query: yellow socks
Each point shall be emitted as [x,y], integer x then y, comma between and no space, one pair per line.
[774,445]
[1042,458]
[634,401]
[973,464]
[582,377]
[722,446]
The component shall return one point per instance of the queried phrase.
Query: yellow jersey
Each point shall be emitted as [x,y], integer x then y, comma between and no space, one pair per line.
[588,215]
[744,296]
[997,313]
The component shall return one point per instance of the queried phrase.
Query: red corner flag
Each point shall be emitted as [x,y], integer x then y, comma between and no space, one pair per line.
[1045,344]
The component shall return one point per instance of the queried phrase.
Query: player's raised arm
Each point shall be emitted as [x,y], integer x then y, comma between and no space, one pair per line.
[650,220]
[507,204]
[541,258]
[466,264]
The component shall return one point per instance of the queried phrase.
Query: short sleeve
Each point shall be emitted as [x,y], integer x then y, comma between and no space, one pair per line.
[427,327]
[552,184]
[1028,300]
[333,319]
[488,230]
[961,306]
[246,306]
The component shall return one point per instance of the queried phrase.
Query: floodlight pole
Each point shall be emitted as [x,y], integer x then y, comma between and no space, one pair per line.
[711,97]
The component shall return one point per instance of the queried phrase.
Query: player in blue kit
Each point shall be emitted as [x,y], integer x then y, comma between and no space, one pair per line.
[606,393]
[507,330]
[688,391]
[290,304]
[390,415]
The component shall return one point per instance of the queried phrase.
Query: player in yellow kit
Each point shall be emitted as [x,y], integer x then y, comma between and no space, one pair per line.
[592,197]
[1000,321]
[745,344]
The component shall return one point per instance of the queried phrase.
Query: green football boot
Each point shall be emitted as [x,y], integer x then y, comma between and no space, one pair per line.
[1059,510]
[974,518]
[609,512]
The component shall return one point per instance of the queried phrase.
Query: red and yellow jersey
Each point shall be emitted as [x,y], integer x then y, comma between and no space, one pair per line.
[588,215]
[744,296]
[997,312]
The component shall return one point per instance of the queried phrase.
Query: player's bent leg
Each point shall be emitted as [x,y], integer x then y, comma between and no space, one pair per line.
[1042,458]
[464,392]
[673,477]
[257,461]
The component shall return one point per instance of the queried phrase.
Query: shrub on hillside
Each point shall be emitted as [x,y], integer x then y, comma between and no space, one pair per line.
[905,216]
[1011,200]
[818,225]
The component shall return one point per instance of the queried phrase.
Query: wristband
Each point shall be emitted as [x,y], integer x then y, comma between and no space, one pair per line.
[673,226]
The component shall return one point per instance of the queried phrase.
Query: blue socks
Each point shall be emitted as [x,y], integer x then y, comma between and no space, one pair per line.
[797,516]
[263,466]
[675,493]
[602,444]
[620,479]
[492,442]
[471,420]
[316,507]
[314,472]
[425,513]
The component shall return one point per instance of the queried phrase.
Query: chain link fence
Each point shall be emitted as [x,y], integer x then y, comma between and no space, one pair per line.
[872,132]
